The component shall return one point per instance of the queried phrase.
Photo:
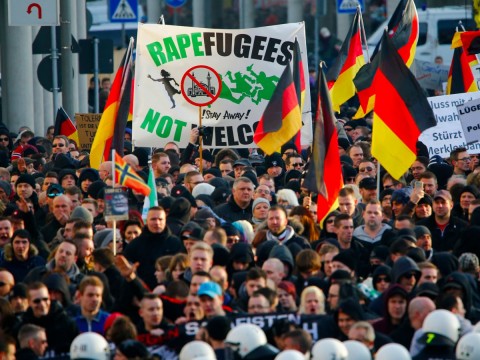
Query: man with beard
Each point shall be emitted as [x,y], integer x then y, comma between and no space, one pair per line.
[371,233]
[64,261]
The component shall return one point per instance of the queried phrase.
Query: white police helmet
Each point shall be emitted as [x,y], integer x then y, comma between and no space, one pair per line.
[357,350]
[442,322]
[468,347]
[90,346]
[245,338]
[290,355]
[197,350]
[329,349]
[393,351]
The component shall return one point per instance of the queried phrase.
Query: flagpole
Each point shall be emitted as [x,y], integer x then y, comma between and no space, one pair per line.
[114,221]
[200,139]
[364,35]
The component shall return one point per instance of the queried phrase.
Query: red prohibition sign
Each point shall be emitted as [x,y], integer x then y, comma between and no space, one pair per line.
[195,88]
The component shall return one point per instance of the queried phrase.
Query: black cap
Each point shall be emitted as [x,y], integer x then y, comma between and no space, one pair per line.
[368,183]
[274,160]
[242,162]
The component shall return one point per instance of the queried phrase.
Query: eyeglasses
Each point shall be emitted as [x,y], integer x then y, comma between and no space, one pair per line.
[3,138]
[297,164]
[39,300]
[368,168]
[260,191]
[59,145]
[467,159]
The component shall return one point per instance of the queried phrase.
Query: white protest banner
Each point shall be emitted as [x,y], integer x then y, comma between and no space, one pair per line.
[470,120]
[177,67]
[448,134]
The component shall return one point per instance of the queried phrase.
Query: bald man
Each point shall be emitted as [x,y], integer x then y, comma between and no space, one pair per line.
[418,309]
[6,278]
[132,160]
[274,269]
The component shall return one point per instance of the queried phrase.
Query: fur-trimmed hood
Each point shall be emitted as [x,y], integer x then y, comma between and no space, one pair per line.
[8,251]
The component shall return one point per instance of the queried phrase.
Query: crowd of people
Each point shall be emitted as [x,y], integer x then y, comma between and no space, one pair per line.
[233,262]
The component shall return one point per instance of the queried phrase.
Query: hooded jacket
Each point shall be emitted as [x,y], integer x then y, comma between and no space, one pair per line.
[20,269]
[178,215]
[385,324]
[60,328]
[460,281]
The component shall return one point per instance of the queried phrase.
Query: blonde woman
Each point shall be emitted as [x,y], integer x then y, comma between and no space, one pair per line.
[312,301]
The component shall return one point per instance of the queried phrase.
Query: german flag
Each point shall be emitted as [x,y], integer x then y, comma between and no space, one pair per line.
[460,76]
[281,119]
[126,176]
[299,81]
[111,129]
[470,42]
[403,28]
[65,126]
[324,174]
[348,62]
[401,112]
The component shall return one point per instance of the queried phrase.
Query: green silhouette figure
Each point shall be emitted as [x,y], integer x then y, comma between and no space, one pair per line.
[227,93]
[243,83]
[165,80]
[265,85]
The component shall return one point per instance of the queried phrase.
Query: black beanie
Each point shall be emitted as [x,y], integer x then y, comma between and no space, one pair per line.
[26,178]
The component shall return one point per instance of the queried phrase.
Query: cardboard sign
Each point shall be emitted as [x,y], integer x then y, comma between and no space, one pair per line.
[469,118]
[116,204]
[87,125]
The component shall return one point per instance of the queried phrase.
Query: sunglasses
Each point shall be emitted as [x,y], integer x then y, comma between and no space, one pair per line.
[380,279]
[59,145]
[2,284]
[351,179]
[233,239]
[3,138]
[409,276]
[330,221]
[348,129]
[39,300]
[368,168]
[297,164]
[52,195]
